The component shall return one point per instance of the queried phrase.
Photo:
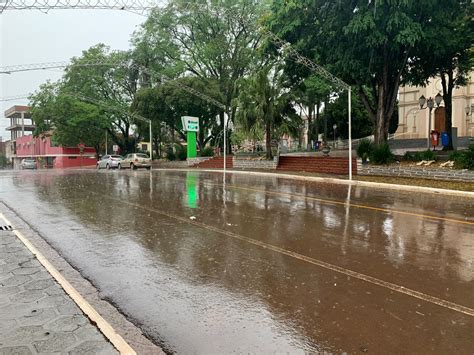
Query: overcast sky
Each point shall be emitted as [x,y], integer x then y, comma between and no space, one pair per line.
[30,36]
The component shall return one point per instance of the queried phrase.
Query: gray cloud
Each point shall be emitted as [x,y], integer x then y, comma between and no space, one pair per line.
[30,36]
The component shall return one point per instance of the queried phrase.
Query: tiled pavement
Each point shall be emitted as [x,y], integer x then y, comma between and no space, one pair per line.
[36,315]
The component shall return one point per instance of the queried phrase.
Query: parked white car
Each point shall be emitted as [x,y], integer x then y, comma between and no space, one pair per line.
[135,161]
[109,162]
[28,164]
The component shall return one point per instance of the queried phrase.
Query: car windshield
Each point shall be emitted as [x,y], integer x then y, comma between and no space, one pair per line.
[116,156]
[29,161]
[142,155]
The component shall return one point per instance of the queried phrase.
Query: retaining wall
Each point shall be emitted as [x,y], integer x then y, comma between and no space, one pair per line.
[242,162]
[197,160]
[417,172]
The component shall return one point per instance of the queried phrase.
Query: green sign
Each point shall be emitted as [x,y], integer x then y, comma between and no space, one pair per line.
[190,124]
[191,140]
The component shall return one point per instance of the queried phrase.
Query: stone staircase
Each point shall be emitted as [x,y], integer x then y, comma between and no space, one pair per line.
[216,163]
[324,165]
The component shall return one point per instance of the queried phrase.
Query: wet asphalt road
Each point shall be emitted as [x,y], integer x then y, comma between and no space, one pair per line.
[264,264]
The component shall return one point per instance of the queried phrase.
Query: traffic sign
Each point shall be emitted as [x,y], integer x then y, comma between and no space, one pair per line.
[190,124]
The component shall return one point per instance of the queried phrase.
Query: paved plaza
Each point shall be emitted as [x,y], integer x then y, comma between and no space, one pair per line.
[36,315]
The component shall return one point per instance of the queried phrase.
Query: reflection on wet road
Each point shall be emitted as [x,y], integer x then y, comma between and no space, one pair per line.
[263,264]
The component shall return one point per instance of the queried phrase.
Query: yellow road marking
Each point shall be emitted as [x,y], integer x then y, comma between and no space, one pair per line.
[118,342]
[388,285]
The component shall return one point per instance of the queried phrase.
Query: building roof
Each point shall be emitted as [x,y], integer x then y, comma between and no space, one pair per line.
[17,110]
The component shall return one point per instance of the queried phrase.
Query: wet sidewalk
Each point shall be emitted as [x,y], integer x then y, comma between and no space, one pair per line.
[36,315]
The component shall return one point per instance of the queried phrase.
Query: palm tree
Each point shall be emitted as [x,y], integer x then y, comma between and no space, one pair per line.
[264,103]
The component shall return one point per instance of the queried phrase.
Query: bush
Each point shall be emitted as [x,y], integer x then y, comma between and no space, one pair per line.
[419,156]
[3,161]
[408,156]
[428,155]
[170,154]
[381,154]
[463,159]
[181,152]
[364,149]
[207,152]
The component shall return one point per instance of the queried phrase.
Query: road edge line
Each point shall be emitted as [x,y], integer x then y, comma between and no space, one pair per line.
[332,180]
[105,328]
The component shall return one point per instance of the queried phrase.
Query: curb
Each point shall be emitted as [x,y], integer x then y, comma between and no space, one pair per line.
[103,326]
[380,185]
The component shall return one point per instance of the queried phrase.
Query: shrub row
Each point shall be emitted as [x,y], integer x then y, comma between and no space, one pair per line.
[463,159]
[180,152]
[377,154]
[419,156]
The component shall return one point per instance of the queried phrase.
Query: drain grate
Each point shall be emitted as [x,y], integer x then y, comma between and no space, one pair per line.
[5,228]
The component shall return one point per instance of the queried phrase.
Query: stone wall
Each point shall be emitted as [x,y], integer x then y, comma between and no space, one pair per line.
[416,172]
[165,164]
[243,162]
[197,160]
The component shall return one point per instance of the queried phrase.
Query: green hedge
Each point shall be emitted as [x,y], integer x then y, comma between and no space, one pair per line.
[463,159]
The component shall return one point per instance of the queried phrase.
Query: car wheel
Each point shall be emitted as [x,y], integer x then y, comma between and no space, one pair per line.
[107,167]
[133,166]
[120,166]
[148,167]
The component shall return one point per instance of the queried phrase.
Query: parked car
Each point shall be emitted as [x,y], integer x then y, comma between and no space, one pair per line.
[135,161]
[28,164]
[109,162]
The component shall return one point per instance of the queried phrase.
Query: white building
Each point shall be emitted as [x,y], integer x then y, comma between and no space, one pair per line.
[413,121]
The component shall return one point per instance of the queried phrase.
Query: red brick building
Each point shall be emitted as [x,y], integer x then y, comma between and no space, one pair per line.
[48,155]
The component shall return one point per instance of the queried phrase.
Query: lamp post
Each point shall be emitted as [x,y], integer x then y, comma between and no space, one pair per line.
[334,126]
[430,103]
[469,111]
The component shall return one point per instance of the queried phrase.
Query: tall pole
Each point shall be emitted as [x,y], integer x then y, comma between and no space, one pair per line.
[349,91]
[106,144]
[151,144]
[429,130]
[225,143]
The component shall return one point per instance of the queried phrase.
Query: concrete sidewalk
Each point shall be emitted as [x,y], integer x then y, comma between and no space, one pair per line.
[36,315]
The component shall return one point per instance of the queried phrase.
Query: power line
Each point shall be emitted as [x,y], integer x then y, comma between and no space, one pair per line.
[45,66]
[135,6]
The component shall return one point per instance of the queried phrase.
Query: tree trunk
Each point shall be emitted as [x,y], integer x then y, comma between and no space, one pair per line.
[221,122]
[448,86]
[325,120]
[310,120]
[380,133]
[97,151]
[316,121]
[268,140]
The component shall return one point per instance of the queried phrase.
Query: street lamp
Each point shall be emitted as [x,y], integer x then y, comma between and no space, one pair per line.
[469,111]
[430,103]
[334,126]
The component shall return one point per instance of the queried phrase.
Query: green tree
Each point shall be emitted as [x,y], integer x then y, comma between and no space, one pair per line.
[3,161]
[310,95]
[447,52]
[111,81]
[165,104]
[204,40]
[365,43]
[336,112]
[71,120]
[264,103]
